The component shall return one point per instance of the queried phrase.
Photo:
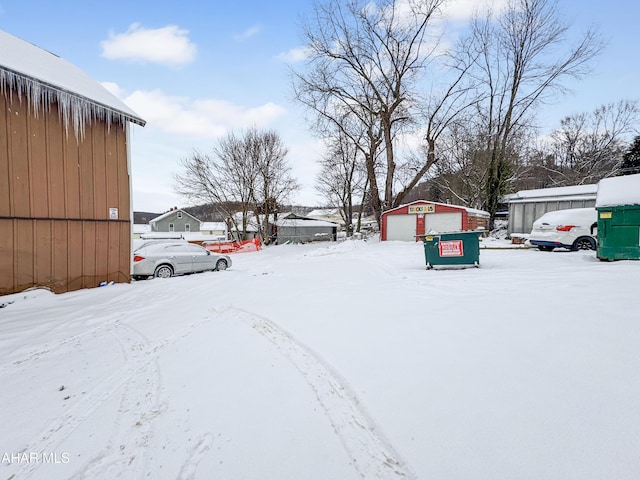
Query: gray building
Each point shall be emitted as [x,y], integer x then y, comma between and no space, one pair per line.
[175,220]
[526,206]
[297,229]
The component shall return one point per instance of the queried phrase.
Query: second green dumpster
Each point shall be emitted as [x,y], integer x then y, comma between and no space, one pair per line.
[452,248]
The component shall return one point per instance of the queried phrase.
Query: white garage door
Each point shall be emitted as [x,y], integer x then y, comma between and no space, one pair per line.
[443,222]
[401,227]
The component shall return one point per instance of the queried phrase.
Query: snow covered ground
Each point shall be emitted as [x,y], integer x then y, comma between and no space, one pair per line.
[331,361]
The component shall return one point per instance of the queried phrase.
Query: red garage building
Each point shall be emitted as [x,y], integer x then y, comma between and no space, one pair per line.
[420,217]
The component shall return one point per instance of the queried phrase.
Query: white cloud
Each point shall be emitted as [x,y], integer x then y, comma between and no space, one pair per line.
[462,10]
[168,45]
[294,55]
[199,118]
[248,33]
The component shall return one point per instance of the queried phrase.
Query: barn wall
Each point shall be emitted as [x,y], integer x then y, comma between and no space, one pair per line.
[55,196]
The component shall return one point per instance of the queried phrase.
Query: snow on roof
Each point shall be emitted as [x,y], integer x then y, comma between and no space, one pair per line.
[141,228]
[323,212]
[623,190]
[297,222]
[44,78]
[472,211]
[188,236]
[560,193]
[169,213]
[479,213]
[213,226]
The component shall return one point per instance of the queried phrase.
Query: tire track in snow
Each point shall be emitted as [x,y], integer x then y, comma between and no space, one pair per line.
[139,381]
[126,450]
[189,469]
[139,378]
[370,452]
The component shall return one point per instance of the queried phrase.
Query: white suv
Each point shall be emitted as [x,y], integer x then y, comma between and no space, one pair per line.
[574,229]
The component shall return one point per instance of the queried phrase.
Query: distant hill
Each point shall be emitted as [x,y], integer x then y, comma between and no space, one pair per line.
[207,213]
[144,217]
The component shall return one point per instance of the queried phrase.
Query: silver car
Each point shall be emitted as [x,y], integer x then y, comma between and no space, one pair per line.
[166,259]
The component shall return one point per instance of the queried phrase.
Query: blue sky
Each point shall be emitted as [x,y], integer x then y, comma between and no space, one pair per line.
[197,70]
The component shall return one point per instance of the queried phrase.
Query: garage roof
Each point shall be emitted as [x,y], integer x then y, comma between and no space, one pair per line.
[472,211]
[574,192]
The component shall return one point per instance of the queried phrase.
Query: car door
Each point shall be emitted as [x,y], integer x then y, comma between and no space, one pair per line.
[180,257]
[201,259]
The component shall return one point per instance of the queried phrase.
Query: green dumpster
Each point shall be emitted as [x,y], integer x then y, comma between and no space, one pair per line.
[618,206]
[619,232]
[452,249]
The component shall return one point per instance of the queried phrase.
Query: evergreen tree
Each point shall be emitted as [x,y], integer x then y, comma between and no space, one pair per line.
[631,159]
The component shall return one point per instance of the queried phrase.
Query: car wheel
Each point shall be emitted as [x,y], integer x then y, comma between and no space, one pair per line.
[163,271]
[221,264]
[584,243]
[542,248]
[139,277]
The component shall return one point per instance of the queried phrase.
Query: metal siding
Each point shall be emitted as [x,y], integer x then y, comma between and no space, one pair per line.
[302,233]
[85,161]
[401,227]
[56,167]
[75,235]
[61,251]
[99,174]
[42,258]
[16,117]
[72,174]
[38,181]
[5,203]
[24,254]
[7,252]
[112,173]
[443,222]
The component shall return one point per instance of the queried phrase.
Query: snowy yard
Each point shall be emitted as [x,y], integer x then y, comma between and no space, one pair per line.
[331,362]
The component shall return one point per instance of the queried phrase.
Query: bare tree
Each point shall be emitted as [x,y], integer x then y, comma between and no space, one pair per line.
[246,174]
[364,60]
[343,177]
[222,179]
[590,146]
[274,182]
[519,67]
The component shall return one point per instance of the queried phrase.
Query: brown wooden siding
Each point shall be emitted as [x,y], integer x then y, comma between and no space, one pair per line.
[55,196]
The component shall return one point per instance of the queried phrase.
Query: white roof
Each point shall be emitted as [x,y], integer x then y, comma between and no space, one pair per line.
[472,211]
[37,71]
[141,228]
[213,226]
[556,193]
[296,222]
[623,190]
[323,212]
[188,236]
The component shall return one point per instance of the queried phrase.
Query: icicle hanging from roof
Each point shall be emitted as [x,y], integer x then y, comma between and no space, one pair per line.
[72,108]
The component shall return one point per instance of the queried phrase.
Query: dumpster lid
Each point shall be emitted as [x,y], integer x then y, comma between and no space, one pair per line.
[616,191]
